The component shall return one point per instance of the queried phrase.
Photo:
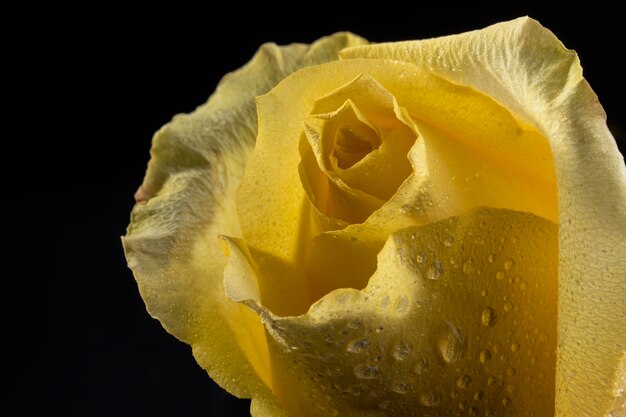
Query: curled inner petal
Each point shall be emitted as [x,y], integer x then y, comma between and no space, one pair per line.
[360,150]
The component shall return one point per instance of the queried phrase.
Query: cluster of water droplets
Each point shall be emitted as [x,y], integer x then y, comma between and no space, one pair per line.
[406,352]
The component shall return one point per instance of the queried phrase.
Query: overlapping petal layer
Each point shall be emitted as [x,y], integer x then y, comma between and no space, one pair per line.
[187,199]
[525,67]
[460,316]
[459,163]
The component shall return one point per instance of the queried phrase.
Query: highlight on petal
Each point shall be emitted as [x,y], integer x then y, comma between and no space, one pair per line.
[525,67]
[187,199]
[460,315]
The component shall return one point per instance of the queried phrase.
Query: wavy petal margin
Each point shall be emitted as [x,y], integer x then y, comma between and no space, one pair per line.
[525,67]
[187,199]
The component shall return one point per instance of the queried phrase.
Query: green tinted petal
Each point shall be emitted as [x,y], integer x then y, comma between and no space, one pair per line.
[187,200]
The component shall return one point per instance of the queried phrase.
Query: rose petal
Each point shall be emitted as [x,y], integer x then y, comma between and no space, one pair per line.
[525,67]
[187,200]
[382,170]
[471,128]
[353,193]
[460,315]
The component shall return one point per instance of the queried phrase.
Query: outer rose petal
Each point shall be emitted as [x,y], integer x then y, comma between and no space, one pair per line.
[525,67]
[187,199]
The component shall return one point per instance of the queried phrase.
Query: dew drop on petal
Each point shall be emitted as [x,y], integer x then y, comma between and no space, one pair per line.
[468,268]
[508,264]
[401,351]
[464,382]
[421,366]
[451,346]
[487,317]
[429,398]
[420,258]
[355,324]
[365,371]
[401,388]
[358,346]
[485,356]
[434,271]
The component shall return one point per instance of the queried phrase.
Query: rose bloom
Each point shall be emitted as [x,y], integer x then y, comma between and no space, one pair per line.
[432,227]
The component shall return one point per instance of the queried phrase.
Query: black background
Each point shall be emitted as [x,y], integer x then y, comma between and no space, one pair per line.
[87,89]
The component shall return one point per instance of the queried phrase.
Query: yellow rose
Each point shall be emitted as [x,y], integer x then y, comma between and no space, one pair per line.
[430,227]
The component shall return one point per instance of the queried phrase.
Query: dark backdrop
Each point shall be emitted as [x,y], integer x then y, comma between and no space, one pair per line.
[92,86]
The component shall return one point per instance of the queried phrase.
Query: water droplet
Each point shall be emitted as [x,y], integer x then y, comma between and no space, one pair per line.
[365,371]
[484,292]
[508,306]
[508,264]
[485,356]
[430,398]
[401,388]
[358,346]
[468,268]
[452,345]
[448,241]
[514,347]
[491,258]
[356,390]
[421,257]
[402,305]
[500,275]
[355,324]
[401,351]
[522,286]
[488,317]
[384,405]
[464,382]
[492,380]
[421,366]
[435,270]
[506,402]
[454,263]
[511,371]
[478,395]
[380,329]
